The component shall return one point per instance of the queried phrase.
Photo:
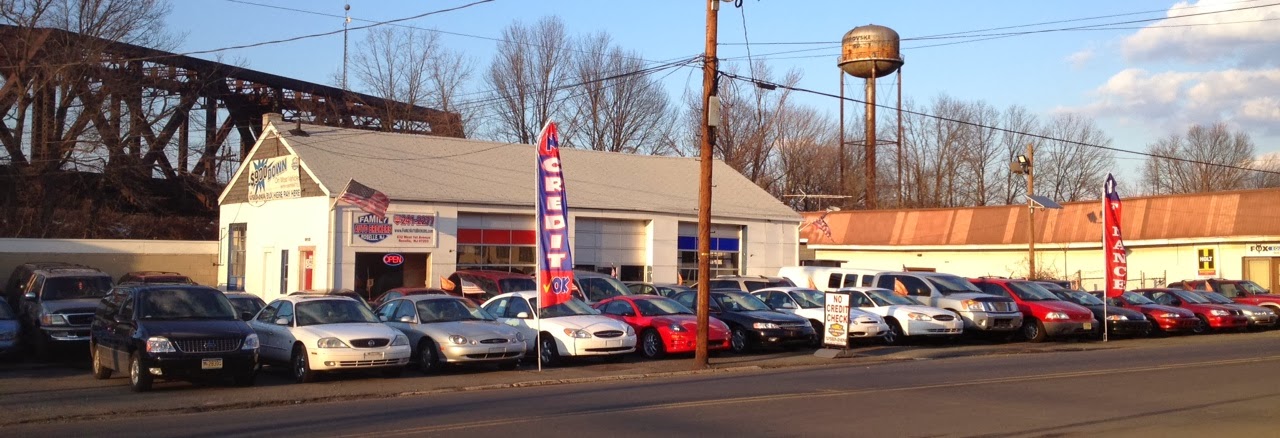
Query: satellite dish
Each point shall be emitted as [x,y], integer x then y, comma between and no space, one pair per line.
[1044,202]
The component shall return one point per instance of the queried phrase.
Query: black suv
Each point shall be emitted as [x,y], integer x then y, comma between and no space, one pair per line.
[57,306]
[751,322]
[171,331]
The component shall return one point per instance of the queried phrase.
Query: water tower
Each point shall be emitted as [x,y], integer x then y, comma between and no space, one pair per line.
[870,52]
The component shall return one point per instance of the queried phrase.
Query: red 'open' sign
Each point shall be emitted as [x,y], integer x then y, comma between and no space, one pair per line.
[393,259]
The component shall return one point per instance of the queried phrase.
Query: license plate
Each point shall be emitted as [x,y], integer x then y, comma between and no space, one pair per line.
[1088,326]
[494,350]
[374,355]
[211,363]
[613,344]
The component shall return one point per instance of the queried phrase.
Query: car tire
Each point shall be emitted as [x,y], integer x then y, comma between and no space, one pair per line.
[1033,330]
[428,361]
[895,335]
[547,350]
[100,372]
[651,345]
[817,340]
[41,346]
[1202,326]
[301,366]
[139,379]
[739,342]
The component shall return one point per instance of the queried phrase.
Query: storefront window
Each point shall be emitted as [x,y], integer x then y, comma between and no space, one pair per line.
[500,250]
[725,253]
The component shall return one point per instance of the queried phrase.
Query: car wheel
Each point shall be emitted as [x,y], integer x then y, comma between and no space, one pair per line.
[139,379]
[1202,326]
[100,372]
[1033,330]
[651,345]
[817,340]
[548,351]
[302,372]
[895,336]
[738,341]
[428,357]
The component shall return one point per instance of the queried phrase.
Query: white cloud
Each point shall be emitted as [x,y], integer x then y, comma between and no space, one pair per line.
[1080,59]
[1171,100]
[1245,37]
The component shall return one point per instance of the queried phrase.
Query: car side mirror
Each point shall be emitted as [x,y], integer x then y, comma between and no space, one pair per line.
[282,321]
[29,296]
[523,315]
[629,314]
[245,316]
[787,305]
[382,318]
[407,318]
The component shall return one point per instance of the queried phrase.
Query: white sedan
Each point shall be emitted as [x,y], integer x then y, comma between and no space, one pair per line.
[316,333]
[808,303]
[906,317]
[568,329]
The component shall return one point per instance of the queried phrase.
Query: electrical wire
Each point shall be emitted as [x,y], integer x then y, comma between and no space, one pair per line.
[996,128]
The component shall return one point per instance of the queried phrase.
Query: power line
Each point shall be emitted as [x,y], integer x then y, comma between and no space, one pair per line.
[996,128]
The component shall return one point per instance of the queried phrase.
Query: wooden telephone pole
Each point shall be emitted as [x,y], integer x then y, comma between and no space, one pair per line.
[704,187]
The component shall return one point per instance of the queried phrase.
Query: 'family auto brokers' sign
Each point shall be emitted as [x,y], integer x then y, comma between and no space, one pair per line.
[394,230]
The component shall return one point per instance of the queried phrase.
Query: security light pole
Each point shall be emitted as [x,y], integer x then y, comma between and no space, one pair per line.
[1031,214]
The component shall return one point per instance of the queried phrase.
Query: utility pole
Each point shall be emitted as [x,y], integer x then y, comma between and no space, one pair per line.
[1031,214]
[704,186]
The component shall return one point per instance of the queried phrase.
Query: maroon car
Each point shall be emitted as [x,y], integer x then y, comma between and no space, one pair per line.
[1240,291]
[1164,319]
[479,285]
[397,292]
[1211,316]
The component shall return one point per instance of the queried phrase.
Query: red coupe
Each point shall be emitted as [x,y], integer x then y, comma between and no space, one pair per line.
[664,325]
[1211,316]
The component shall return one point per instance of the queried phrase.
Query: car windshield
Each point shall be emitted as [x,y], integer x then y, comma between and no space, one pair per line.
[809,298]
[1191,297]
[1080,297]
[451,309]
[661,306]
[70,288]
[1029,291]
[169,304]
[601,288]
[1252,287]
[755,285]
[950,284]
[1216,298]
[1135,299]
[739,302]
[883,297]
[333,312]
[246,304]
[568,308]
[517,284]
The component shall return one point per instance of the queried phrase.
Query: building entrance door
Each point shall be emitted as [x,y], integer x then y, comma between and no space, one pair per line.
[376,272]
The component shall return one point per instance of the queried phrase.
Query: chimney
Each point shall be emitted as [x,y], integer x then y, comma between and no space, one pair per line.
[270,118]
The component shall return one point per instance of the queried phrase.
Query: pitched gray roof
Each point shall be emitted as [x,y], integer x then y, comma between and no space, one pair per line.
[439,169]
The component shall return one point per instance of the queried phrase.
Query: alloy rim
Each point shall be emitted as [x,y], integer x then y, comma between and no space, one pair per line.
[650,344]
[739,340]
[135,372]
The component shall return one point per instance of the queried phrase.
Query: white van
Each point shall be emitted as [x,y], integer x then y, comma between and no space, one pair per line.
[827,278]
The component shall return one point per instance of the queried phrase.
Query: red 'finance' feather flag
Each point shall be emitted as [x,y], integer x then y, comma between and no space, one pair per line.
[1117,275]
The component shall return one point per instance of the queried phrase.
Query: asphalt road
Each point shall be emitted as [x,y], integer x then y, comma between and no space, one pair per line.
[1222,385]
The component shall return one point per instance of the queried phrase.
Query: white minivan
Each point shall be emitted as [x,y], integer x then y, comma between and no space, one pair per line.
[828,278]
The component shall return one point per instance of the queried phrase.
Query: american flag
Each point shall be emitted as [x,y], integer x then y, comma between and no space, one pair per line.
[368,199]
[822,225]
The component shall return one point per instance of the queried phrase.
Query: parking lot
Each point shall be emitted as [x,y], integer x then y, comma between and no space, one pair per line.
[37,392]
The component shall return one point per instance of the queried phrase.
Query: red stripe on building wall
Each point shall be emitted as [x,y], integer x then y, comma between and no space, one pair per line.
[469,236]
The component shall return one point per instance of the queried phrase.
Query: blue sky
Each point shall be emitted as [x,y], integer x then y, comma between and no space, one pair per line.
[1140,81]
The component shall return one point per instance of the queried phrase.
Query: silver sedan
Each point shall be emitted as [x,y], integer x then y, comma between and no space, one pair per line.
[446,329]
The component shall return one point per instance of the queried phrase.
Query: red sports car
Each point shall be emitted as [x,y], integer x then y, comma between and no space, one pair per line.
[1164,319]
[664,325]
[1211,316]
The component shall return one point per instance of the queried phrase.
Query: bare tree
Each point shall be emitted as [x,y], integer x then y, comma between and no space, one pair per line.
[617,106]
[1071,167]
[808,159]
[412,66]
[747,138]
[1020,124]
[1268,172]
[527,77]
[1212,158]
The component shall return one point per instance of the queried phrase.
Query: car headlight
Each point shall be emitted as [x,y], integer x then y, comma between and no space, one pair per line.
[1169,315]
[457,339]
[160,344]
[917,316]
[765,325]
[971,305]
[676,328]
[400,340]
[1219,312]
[53,319]
[1056,315]
[630,331]
[250,342]
[1267,312]
[520,336]
[1117,318]
[331,343]
[577,333]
